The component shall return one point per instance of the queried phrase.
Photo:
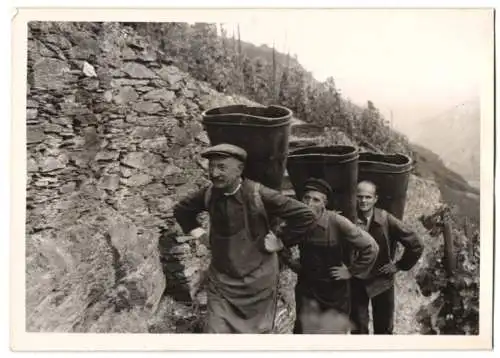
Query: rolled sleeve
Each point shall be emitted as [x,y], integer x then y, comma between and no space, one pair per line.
[412,243]
[364,244]
[298,217]
[186,211]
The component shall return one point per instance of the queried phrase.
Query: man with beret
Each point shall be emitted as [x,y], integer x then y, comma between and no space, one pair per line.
[322,293]
[378,287]
[244,270]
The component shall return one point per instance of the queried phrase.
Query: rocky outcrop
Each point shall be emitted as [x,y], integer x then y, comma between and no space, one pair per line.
[113,136]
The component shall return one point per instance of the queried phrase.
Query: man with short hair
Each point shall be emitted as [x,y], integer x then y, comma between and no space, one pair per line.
[322,293]
[378,287]
[243,274]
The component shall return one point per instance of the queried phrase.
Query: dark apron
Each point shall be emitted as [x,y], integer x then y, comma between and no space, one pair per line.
[242,284]
[315,283]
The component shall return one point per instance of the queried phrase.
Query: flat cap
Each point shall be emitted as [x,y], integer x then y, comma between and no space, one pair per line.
[225,150]
[318,185]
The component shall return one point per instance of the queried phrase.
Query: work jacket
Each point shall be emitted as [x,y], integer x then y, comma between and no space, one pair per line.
[388,231]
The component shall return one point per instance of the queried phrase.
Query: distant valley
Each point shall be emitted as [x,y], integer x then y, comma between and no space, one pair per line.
[454,135]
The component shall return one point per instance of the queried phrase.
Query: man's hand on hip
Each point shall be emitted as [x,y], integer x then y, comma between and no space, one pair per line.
[272,243]
[340,272]
[389,269]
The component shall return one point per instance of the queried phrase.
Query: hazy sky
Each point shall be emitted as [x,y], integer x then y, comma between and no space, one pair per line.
[413,62]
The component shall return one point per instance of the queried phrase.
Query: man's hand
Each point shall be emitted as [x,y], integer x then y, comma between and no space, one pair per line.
[340,272]
[272,243]
[389,269]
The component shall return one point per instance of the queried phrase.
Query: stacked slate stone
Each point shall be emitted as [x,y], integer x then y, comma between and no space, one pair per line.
[113,140]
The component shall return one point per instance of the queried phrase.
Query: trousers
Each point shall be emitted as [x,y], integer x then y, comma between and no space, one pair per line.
[382,310]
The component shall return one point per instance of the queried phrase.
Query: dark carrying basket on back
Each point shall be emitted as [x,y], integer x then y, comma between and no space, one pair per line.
[337,165]
[390,173]
[262,131]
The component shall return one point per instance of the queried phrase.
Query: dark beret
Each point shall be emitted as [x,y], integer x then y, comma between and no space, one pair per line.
[319,185]
[225,150]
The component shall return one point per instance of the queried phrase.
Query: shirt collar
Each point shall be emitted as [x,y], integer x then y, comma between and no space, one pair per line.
[236,194]
[375,217]
[323,220]
[235,190]
[365,221]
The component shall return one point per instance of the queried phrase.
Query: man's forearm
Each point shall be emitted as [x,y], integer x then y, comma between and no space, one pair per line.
[413,249]
[298,217]
[187,210]
[367,250]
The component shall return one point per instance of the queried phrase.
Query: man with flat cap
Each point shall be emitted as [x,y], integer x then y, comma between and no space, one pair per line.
[244,270]
[322,293]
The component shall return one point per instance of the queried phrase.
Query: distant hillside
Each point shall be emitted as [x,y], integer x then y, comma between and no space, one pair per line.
[266,53]
[455,190]
[461,152]
[266,76]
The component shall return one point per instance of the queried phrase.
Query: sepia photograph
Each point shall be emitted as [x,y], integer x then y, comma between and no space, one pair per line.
[268,171]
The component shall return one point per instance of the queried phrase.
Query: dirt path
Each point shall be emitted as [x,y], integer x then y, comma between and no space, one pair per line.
[408,302]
